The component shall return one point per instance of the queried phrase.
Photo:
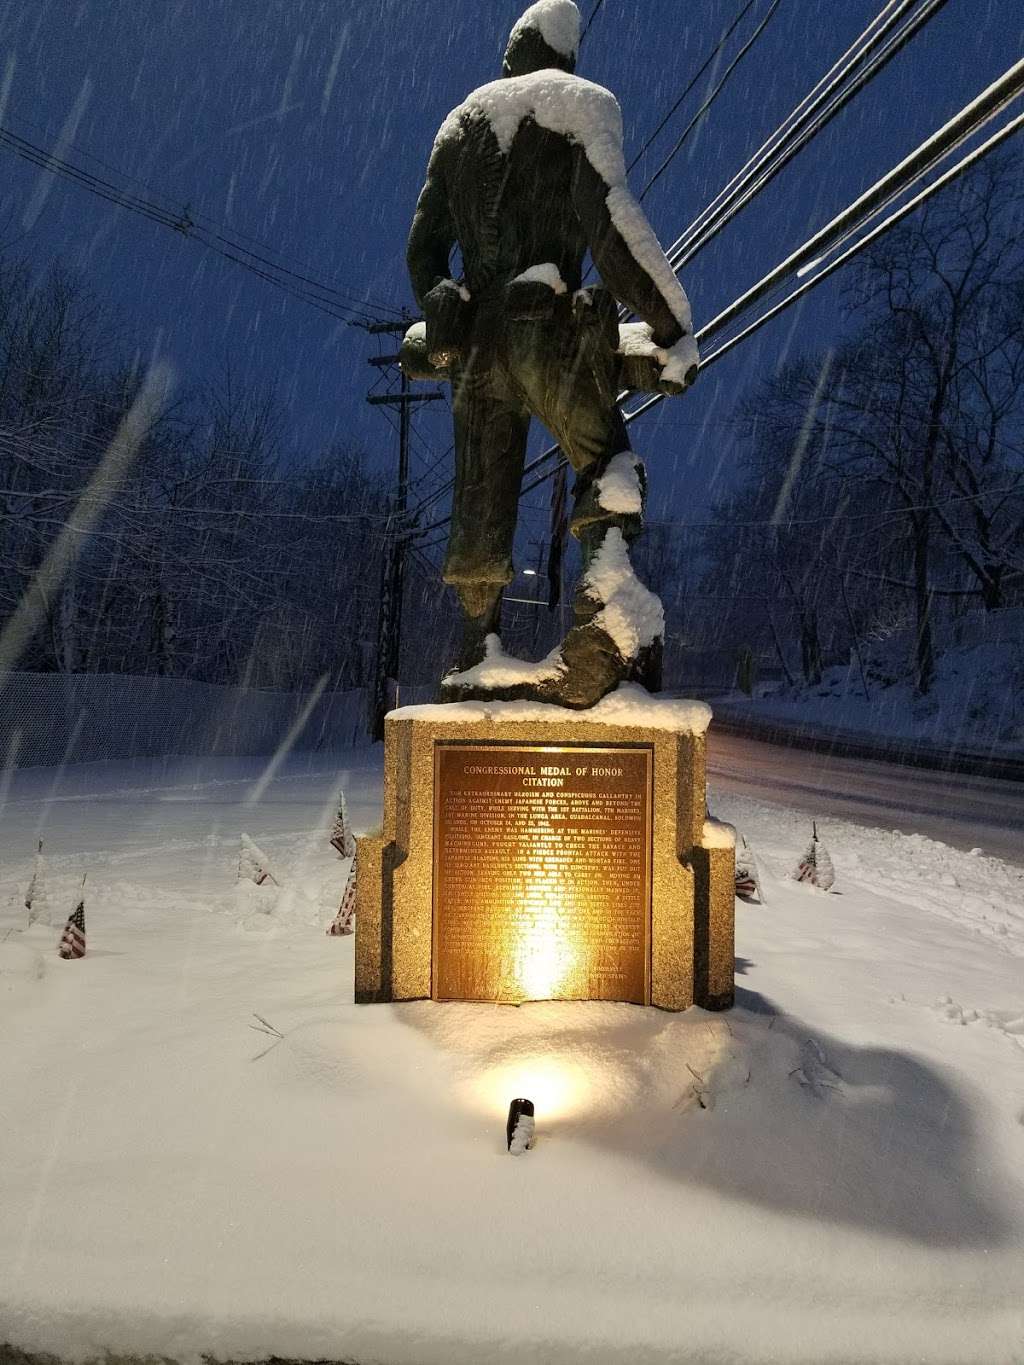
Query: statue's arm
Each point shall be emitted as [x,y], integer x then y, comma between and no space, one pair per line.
[432,235]
[629,257]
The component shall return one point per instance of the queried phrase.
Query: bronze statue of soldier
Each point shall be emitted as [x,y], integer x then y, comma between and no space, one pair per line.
[525,178]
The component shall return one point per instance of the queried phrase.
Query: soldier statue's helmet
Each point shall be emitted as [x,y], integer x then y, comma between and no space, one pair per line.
[546,37]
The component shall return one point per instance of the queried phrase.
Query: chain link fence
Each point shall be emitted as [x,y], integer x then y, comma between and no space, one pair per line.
[51,718]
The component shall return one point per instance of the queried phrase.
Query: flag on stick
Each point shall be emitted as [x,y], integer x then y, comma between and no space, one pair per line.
[815,867]
[748,878]
[72,940]
[342,922]
[342,837]
[253,864]
[37,902]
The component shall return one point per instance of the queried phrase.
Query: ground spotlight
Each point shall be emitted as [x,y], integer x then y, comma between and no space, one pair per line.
[520,1126]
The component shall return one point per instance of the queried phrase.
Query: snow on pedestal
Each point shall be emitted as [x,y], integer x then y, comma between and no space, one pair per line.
[628,705]
[718,834]
[498,669]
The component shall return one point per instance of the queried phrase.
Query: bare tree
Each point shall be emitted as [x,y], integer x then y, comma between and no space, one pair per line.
[917,418]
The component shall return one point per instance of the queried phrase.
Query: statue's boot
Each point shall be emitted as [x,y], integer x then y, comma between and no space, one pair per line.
[593,663]
[481,617]
[593,667]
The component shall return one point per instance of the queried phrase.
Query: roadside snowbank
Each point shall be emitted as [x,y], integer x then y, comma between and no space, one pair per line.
[976,703]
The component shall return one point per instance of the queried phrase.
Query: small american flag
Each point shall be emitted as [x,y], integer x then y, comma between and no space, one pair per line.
[342,922]
[72,940]
[745,884]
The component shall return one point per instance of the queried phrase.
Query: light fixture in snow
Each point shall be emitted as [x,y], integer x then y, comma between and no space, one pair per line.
[519,1126]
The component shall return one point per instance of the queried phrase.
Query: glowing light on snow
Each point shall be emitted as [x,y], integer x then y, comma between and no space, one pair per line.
[557,1086]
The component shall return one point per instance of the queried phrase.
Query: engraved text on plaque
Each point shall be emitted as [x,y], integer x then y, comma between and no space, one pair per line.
[541,872]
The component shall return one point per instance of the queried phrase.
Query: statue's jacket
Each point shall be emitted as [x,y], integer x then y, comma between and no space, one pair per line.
[525,177]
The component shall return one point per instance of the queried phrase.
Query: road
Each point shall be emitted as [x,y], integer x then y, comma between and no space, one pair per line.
[964,811]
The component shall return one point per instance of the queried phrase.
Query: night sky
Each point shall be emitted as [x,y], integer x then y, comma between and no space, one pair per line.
[307,124]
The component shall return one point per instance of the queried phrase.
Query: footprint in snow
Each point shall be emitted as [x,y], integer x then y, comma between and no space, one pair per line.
[814,1072]
[1007,1021]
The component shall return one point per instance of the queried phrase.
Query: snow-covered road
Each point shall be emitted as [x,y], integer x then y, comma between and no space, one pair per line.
[830,1172]
[964,811]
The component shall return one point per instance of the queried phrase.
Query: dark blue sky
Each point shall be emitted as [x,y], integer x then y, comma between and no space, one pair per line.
[307,123]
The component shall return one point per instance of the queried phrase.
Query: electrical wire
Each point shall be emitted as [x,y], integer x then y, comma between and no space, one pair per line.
[710,99]
[969,120]
[986,106]
[805,122]
[201,218]
[973,117]
[953,173]
[303,287]
[593,15]
[875,33]
[692,82]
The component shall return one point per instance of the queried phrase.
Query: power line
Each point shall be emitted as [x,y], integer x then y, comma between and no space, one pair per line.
[953,173]
[202,217]
[788,139]
[762,160]
[875,518]
[847,516]
[593,15]
[895,182]
[901,178]
[972,117]
[693,81]
[305,288]
[711,98]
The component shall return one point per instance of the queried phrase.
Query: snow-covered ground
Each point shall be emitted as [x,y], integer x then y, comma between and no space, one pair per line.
[829,1172]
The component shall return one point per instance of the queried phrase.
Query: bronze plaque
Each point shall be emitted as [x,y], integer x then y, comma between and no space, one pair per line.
[542,872]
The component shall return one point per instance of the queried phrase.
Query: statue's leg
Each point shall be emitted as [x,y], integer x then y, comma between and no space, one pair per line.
[613,640]
[490,443]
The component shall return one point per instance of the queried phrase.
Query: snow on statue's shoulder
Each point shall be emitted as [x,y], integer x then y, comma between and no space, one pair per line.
[630,704]
[579,109]
[589,115]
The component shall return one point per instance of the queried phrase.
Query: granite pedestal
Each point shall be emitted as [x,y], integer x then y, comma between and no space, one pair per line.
[533,852]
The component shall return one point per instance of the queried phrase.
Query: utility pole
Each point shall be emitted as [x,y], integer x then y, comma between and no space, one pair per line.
[389,627]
